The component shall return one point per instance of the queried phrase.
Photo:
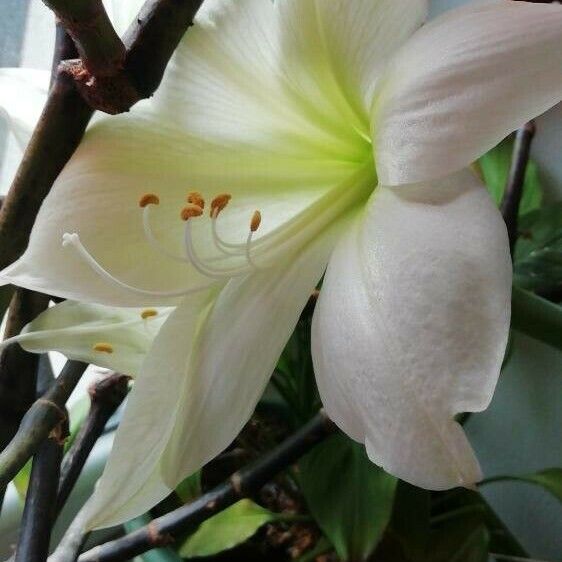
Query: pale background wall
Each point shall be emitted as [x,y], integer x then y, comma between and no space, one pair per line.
[520,433]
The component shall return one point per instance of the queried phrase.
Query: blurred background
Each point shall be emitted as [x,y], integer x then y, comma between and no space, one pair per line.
[519,434]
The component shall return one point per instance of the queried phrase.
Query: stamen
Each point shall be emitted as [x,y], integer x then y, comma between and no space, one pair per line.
[205,269]
[149,199]
[191,211]
[255,222]
[195,198]
[148,313]
[219,203]
[73,240]
[103,347]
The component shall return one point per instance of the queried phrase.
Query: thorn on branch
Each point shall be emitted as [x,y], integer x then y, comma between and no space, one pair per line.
[242,484]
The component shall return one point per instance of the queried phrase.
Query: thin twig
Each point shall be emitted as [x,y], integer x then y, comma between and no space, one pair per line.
[516,180]
[36,525]
[17,367]
[106,396]
[44,416]
[64,50]
[98,44]
[241,484]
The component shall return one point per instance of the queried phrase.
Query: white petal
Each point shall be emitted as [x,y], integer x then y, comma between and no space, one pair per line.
[74,329]
[210,128]
[23,93]
[412,324]
[198,389]
[333,51]
[462,83]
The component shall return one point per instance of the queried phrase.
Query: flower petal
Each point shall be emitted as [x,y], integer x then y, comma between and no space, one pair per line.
[74,329]
[462,83]
[23,93]
[412,324]
[200,385]
[333,51]
[209,128]
[122,13]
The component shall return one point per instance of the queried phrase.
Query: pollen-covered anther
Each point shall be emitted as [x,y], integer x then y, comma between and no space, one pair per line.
[149,199]
[219,203]
[190,211]
[103,347]
[255,222]
[195,198]
[149,313]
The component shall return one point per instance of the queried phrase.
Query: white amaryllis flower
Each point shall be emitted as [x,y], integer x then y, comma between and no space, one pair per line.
[350,128]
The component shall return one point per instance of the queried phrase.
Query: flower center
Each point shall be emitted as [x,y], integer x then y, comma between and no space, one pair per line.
[194,210]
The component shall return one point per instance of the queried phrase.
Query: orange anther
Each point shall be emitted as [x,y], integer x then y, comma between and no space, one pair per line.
[103,347]
[219,203]
[148,313]
[256,221]
[191,211]
[149,199]
[195,198]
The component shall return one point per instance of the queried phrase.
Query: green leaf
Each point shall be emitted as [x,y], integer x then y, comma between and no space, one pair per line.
[495,166]
[536,317]
[465,539]
[227,529]
[350,498]
[549,479]
[410,519]
[190,488]
[537,228]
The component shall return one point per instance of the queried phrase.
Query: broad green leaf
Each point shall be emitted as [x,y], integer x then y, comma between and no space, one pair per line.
[463,539]
[410,519]
[190,488]
[350,498]
[549,479]
[227,529]
[157,554]
[537,228]
[536,317]
[75,328]
[495,166]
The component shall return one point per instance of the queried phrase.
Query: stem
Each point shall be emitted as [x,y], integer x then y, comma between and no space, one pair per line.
[106,396]
[40,420]
[17,367]
[240,485]
[516,180]
[36,525]
[98,44]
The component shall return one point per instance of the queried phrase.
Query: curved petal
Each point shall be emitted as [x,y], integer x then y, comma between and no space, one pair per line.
[333,51]
[122,13]
[462,83]
[23,93]
[74,329]
[210,128]
[412,324]
[199,386]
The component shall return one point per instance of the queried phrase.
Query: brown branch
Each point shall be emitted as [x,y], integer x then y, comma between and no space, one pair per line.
[37,520]
[516,180]
[150,40]
[106,395]
[44,416]
[18,368]
[241,484]
[98,44]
